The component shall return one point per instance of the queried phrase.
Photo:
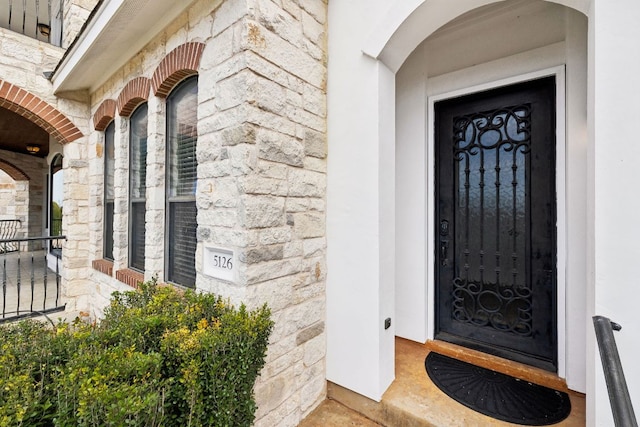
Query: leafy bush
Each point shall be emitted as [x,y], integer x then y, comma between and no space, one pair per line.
[160,357]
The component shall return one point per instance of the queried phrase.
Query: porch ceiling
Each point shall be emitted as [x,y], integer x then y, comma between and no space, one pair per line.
[116,31]
[16,132]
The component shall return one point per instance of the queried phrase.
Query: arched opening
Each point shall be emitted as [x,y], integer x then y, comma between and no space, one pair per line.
[383,241]
[56,204]
[496,45]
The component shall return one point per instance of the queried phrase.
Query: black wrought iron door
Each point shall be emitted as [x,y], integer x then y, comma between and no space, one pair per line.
[496,222]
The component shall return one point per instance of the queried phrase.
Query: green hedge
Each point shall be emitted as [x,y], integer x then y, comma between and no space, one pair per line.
[160,357]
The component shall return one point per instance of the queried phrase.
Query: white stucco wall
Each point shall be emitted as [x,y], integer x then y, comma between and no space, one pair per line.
[359,218]
[609,229]
[453,59]
[613,202]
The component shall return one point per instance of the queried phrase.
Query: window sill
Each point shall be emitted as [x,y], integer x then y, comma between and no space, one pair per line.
[103,266]
[130,277]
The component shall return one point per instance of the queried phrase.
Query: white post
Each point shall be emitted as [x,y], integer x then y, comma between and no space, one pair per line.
[360,207]
[614,203]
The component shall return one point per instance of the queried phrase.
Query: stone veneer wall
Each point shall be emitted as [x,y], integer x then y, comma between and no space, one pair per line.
[7,196]
[75,14]
[27,199]
[261,178]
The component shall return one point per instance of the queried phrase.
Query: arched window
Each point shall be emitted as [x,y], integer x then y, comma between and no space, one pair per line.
[182,138]
[137,186]
[56,203]
[109,190]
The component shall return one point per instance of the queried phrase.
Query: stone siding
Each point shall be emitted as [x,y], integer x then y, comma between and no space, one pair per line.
[75,14]
[23,199]
[8,206]
[261,177]
[23,62]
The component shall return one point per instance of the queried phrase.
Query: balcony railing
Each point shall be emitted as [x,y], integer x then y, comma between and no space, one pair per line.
[8,230]
[619,397]
[38,19]
[30,280]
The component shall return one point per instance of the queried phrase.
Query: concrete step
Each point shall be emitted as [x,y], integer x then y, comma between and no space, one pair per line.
[413,400]
[332,413]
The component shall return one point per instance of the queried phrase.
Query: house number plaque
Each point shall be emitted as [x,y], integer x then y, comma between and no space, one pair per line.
[219,263]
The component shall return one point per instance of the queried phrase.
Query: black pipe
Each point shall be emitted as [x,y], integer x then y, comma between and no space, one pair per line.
[619,397]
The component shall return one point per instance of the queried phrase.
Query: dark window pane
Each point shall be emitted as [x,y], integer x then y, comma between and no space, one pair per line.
[136,259]
[182,139]
[182,243]
[109,189]
[137,186]
[108,231]
[109,161]
[182,165]
[138,160]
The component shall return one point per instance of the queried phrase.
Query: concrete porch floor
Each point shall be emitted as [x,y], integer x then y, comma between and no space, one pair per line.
[413,400]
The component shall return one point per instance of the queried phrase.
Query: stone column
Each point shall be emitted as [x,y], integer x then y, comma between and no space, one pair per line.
[75,222]
[96,195]
[156,156]
[121,193]
[262,185]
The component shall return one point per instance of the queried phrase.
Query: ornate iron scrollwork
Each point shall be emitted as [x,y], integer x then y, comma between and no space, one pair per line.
[504,308]
[491,150]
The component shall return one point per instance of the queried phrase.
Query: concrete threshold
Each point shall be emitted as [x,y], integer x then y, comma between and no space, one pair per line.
[413,400]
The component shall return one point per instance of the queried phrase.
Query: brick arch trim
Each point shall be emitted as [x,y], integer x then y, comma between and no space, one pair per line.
[13,171]
[104,114]
[180,63]
[38,111]
[132,94]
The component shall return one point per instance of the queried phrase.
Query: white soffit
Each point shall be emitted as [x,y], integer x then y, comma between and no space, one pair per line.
[118,30]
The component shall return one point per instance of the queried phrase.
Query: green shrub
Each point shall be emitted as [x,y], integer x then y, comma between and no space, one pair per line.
[160,357]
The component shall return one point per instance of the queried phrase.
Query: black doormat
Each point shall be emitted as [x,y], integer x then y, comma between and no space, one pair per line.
[497,395]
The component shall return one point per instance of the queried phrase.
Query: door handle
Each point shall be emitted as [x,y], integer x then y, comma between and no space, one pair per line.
[444,250]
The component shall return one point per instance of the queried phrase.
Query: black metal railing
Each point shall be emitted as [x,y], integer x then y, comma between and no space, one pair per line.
[619,397]
[9,230]
[38,19]
[30,280]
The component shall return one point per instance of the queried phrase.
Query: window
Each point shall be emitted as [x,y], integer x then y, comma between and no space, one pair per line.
[55,209]
[182,138]
[137,186]
[109,172]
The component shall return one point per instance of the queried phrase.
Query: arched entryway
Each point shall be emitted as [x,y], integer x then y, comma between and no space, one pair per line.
[32,132]
[380,133]
[29,129]
[467,56]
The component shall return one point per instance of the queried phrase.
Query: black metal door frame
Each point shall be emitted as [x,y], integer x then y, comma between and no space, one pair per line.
[445,233]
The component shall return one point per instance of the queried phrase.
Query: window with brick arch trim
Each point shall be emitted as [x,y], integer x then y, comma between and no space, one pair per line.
[181,181]
[109,189]
[137,186]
